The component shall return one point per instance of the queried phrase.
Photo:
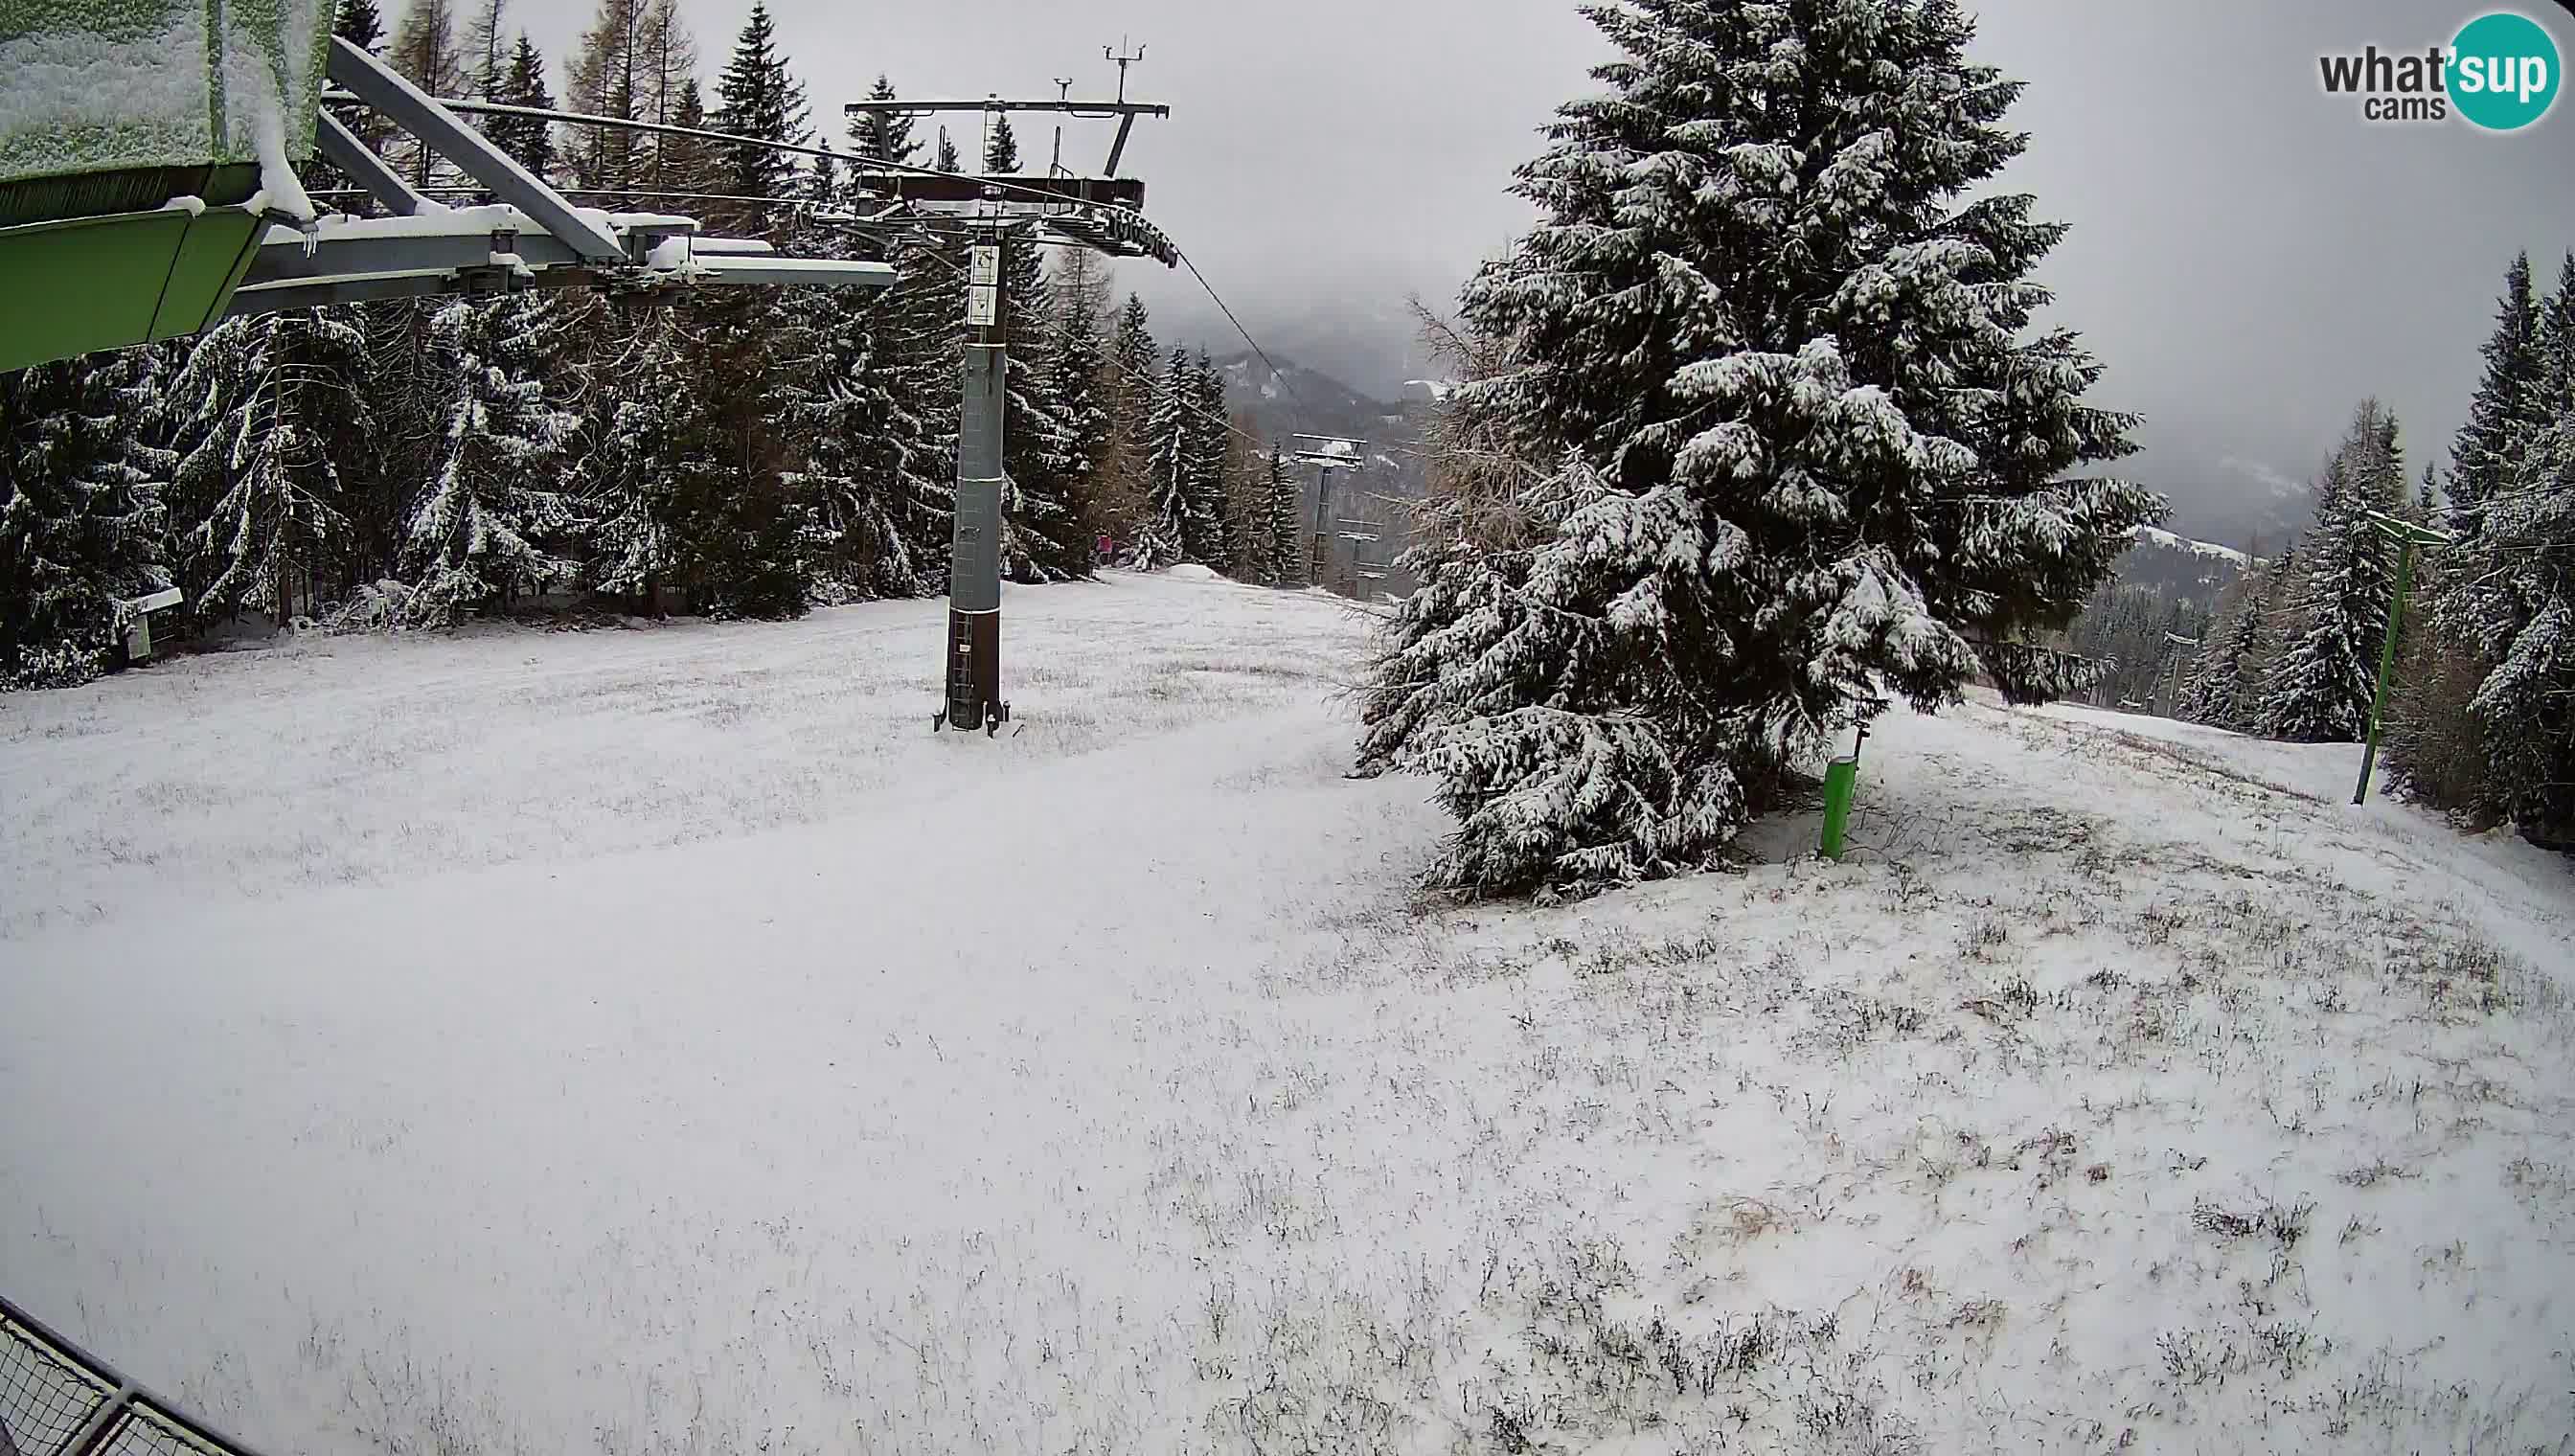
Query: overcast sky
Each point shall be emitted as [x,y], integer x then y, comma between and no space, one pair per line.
[2248,256]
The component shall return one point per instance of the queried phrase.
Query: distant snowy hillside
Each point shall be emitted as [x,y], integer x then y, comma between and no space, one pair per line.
[660,1041]
[2181,566]
[2171,542]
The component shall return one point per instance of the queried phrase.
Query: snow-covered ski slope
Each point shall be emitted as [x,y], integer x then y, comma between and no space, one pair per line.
[659,1041]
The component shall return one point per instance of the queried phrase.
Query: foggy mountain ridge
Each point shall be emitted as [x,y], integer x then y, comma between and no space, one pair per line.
[2225,501]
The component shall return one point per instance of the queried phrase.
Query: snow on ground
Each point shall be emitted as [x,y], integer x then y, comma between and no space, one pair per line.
[658,1041]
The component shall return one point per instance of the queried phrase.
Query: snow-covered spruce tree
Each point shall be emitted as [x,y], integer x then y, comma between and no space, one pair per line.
[1133,361]
[1171,524]
[835,410]
[651,455]
[1044,512]
[1078,367]
[2502,412]
[1807,447]
[1287,521]
[493,521]
[1205,540]
[2524,587]
[2218,689]
[2319,689]
[82,525]
[263,409]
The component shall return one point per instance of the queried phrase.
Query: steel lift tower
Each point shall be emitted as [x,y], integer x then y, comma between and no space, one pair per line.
[1103,214]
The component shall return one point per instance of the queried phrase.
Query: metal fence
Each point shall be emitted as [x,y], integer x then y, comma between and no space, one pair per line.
[57,1399]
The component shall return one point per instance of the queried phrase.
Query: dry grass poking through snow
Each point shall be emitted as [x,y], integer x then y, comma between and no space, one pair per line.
[2107,1114]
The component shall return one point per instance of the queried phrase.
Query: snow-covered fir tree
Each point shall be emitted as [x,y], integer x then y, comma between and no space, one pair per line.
[82,524]
[2515,591]
[2501,413]
[1045,515]
[1135,362]
[1288,548]
[265,409]
[2221,689]
[1205,537]
[2319,690]
[1170,523]
[1078,368]
[836,412]
[651,455]
[1804,444]
[493,521]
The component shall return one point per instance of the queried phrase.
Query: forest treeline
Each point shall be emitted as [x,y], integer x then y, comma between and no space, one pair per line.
[747,452]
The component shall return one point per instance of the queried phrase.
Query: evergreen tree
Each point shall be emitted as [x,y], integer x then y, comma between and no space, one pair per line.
[82,522]
[1046,514]
[1803,450]
[1206,541]
[2553,350]
[494,516]
[947,159]
[2222,689]
[1001,150]
[1077,366]
[919,338]
[2500,414]
[758,97]
[263,405]
[1171,523]
[2319,692]
[839,417]
[359,23]
[1133,359]
[882,136]
[1288,547]
[652,458]
[529,140]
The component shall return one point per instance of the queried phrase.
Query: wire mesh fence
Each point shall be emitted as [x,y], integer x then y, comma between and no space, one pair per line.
[57,1399]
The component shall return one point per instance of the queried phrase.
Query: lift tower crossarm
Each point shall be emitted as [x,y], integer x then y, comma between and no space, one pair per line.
[385,89]
[1094,110]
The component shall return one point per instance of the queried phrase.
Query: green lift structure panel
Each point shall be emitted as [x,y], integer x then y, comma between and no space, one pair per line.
[140,142]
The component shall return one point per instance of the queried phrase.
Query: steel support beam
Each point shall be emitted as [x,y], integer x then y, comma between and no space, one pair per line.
[342,149]
[379,86]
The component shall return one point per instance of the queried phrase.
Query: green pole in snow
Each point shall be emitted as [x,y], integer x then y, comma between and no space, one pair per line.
[1842,779]
[2407,535]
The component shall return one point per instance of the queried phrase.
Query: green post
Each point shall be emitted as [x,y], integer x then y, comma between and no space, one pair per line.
[2386,667]
[1841,777]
